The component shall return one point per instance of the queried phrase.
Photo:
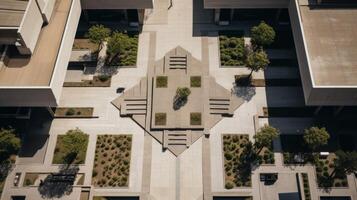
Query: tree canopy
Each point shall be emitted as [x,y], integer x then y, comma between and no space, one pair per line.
[257,60]
[346,162]
[97,34]
[183,92]
[315,137]
[263,34]
[75,141]
[265,137]
[117,44]
[9,143]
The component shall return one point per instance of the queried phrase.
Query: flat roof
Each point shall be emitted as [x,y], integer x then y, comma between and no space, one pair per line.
[331,39]
[11,12]
[38,69]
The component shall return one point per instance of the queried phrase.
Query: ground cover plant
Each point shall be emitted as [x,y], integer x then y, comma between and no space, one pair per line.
[74,112]
[84,44]
[195,81]
[98,81]
[161,82]
[71,148]
[112,161]
[237,173]
[305,180]
[160,119]
[195,118]
[122,49]
[232,50]
[30,179]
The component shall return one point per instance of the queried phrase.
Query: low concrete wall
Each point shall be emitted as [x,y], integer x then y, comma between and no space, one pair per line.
[246,3]
[117,4]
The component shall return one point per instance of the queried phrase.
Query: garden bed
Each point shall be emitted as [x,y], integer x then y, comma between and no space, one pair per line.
[112,161]
[161,82]
[61,152]
[195,118]
[74,112]
[30,179]
[160,119]
[324,167]
[235,175]
[267,156]
[305,181]
[232,50]
[98,81]
[195,81]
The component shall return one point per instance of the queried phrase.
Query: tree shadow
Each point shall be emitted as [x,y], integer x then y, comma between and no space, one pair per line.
[245,93]
[179,102]
[56,185]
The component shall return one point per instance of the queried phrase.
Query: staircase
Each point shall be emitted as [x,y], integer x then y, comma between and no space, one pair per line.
[134,106]
[176,141]
[177,62]
[220,106]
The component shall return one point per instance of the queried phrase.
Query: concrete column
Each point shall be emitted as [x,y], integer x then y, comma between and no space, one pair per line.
[50,111]
[317,110]
[217,13]
[231,15]
[337,110]
[141,15]
[277,16]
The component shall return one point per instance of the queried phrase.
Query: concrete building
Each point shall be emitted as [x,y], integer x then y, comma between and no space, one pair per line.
[325,38]
[36,38]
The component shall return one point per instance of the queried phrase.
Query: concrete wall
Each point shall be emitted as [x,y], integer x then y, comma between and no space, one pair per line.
[46,7]
[246,3]
[315,95]
[117,4]
[27,97]
[65,49]
[30,26]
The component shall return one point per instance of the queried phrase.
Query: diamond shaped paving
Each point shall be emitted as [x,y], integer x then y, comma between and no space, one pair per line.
[150,103]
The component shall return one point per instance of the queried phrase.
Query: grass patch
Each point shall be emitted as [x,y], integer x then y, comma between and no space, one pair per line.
[235,175]
[305,181]
[232,50]
[112,161]
[195,118]
[160,119]
[83,43]
[30,179]
[74,112]
[61,152]
[98,81]
[161,82]
[195,81]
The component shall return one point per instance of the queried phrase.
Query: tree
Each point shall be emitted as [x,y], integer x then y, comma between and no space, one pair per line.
[97,34]
[265,137]
[315,137]
[256,61]
[117,44]
[183,92]
[263,34]
[9,143]
[74,142]
[345,163]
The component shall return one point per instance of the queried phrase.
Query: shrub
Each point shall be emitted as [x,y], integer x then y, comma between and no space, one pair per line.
[103,77]
[232,51]
[228,156]
[229,185]
[70,112]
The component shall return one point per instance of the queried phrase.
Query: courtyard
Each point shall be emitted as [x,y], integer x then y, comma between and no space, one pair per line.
[140,145]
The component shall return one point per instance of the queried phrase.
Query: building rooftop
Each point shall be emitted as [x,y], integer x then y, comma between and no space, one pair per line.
[331,39]
[37,70]
[11,12]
